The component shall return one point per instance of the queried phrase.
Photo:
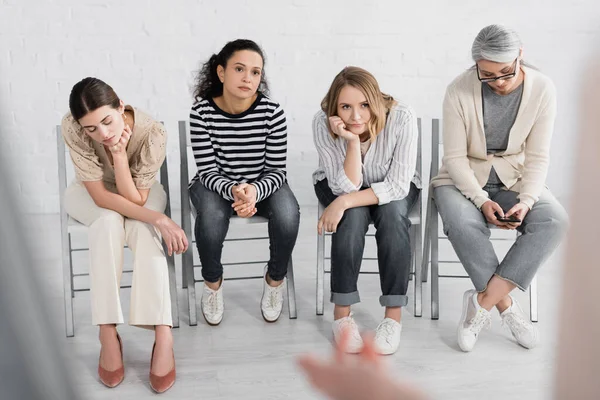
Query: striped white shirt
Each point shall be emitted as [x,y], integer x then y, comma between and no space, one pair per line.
[389,165]
[230,149]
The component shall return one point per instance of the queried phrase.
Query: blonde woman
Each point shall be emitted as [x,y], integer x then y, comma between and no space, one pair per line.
[367,145]
[117,151]
[498,124]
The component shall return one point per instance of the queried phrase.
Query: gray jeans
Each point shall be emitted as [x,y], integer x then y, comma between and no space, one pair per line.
[467,229]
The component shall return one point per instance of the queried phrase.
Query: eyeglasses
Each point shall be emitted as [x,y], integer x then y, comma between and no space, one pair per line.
[501,77]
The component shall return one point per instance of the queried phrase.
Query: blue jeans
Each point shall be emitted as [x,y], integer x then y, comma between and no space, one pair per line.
[467,229]
[212,224]
[393,248]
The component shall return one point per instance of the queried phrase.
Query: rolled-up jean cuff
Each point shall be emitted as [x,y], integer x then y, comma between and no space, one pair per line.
[393,300]
[345,299]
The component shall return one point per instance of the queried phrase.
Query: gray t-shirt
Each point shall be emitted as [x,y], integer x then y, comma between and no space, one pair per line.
[499,115]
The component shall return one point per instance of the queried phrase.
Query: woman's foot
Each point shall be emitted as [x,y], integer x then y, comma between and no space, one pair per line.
[162,363]
[520,326]
[355,341]
[387,336]
[271,303]
[110,364]
[212,303]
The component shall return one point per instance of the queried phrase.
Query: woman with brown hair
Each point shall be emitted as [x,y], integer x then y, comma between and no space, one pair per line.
[117,151]
[367,145]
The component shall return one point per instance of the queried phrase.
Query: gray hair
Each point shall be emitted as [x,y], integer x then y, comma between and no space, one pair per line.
[496,43]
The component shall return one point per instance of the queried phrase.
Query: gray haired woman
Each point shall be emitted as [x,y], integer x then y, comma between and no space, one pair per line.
[498,123]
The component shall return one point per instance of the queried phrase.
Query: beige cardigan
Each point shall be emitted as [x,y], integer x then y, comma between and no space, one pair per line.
[523,166]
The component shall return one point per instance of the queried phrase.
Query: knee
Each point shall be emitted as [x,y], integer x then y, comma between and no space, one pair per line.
[465,225]
[287,217]
[392,217]
[135,226]
[209,218]
[354,220]
[558,223]
[108,219]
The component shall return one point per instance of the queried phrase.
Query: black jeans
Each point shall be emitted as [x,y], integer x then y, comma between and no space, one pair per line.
[212,224]
[393,248]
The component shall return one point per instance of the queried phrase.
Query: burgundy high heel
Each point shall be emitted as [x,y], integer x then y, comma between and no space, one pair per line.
[161,384]
[112,379]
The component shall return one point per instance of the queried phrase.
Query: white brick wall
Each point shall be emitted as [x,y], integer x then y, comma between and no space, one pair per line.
[149,50]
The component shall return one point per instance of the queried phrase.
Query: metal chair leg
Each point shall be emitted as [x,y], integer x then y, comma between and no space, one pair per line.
[187,264]
[412,253]
[435,284]
[533,300]
[418,245]
[68,283]
[425,270]
[291,289]
[173,288]
[320,270]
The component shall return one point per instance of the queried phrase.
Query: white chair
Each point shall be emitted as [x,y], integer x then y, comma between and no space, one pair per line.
[69,227]
[415,241]
[432,236]
[188,215]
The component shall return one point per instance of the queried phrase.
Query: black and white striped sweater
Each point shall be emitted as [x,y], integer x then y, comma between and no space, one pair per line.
[230,149]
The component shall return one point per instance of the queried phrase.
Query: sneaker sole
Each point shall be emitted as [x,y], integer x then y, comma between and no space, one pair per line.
[349,351]
[466,297]
[269,321]
[386,352]
[208,322]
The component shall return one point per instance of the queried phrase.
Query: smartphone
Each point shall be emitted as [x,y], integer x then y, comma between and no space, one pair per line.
[511,219]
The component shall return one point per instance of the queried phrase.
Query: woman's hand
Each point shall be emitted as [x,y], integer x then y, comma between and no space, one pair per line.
[120,148]
[244,196]
[489,210]
[244,209]
[172,234]
[348,377]
[519,210]
[331,217]
[339,128]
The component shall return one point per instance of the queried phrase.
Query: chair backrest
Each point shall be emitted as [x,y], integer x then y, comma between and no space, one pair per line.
[186,156]
[66,174]
[187,169]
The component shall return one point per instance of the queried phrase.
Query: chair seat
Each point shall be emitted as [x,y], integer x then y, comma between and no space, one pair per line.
[76,226]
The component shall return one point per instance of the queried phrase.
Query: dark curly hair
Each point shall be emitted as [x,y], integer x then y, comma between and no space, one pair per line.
[208,84]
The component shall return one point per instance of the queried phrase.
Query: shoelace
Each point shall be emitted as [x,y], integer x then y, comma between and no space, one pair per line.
[515,322]
[273,299]
[213,303]
[479,321]
[386,330]
[350,324]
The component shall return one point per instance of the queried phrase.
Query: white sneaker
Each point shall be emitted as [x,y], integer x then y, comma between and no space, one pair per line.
[212,304]
[387,336]
[355,342]
[474,318]
[520,326]
[271,303]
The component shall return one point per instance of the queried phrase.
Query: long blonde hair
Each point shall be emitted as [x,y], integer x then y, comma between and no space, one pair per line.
[361,79]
